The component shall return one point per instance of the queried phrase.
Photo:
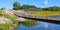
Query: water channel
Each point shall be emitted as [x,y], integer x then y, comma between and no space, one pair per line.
[41,26]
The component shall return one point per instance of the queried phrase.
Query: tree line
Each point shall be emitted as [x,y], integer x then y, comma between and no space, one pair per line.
[53,8]
[17,6]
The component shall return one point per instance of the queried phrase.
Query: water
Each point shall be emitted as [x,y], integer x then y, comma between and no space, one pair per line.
[55,17]
[42,26]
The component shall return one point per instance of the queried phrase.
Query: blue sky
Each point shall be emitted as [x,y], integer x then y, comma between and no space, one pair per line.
[39,3]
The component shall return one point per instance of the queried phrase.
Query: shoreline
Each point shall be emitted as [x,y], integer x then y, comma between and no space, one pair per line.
[15,23]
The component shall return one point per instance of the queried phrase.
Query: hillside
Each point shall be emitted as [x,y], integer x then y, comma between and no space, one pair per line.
[7,21]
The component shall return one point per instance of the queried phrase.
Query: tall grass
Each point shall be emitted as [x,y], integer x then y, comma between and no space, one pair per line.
[44,13]
[11,17]
[7,26]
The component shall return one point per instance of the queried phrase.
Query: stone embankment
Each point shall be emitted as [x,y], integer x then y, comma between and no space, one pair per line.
[4,20]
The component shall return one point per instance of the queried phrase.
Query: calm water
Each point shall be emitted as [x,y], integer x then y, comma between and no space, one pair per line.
[41,26]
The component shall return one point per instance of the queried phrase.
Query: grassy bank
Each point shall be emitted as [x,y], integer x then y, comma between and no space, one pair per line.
[8,26]
[29,22]
[5,26]
[45,13]
[9,17]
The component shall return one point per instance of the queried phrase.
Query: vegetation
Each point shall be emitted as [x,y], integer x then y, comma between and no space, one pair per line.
[9,17]
[5,26]
[28,7]
[42,12]
[30,23]
[45,13]
[8,26]
[2,8]
[53,8]
[16,5]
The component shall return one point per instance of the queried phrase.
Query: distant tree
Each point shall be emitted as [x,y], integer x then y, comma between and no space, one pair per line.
[16,6]
[24,6]
[32,6]
[27,6]
[2,8]
[53,8]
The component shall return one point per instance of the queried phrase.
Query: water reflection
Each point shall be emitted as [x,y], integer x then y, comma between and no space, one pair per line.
[46,25]
[38,25]
[30,23]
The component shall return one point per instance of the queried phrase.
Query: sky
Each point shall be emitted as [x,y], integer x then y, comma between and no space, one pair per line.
[8,4]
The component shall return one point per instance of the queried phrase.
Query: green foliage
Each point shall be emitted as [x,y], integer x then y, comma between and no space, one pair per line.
[16,6]
[2,8]
[28,6]
[11,17]
[30,23]
[44,13]
[8,26]
[53,8]
[0,13]
[5,26]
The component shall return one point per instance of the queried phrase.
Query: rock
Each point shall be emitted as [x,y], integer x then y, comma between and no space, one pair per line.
[21,11]
[4,20]
[10,12]
[21,19]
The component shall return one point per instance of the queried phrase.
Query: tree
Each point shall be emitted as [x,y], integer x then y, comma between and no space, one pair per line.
[2,8]
[27,6]
[16,6]
[53,8]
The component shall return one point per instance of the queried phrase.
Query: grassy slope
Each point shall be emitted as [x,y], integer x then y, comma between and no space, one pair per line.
[7,26]
[11,17]
[38,13]
[44,13]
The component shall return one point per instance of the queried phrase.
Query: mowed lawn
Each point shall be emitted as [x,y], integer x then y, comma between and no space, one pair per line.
[44,13]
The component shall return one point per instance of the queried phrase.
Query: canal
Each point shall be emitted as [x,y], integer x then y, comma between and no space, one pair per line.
[41,26]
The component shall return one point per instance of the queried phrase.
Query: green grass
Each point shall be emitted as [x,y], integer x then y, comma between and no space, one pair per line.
[30,23]
[45,13]
[7,26]
[11,17]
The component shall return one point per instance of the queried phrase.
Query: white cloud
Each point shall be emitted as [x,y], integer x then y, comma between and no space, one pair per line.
[46,2]
[46,25]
